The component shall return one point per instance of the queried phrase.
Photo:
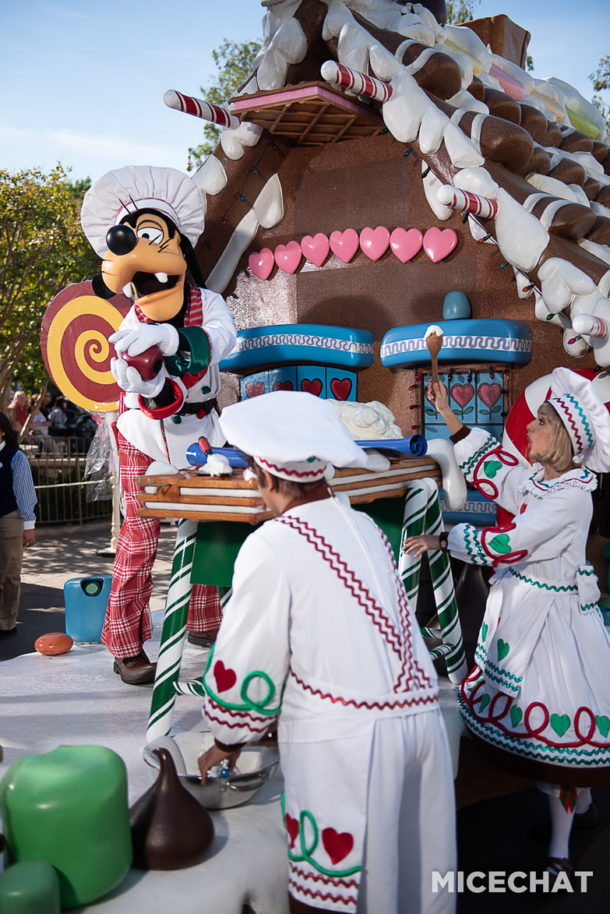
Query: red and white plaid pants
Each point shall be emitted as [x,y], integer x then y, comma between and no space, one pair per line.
[128,623]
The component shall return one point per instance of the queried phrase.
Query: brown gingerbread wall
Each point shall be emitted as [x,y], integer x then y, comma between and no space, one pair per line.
[369,182]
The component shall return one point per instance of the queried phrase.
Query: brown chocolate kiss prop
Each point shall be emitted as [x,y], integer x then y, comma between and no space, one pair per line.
[169,828]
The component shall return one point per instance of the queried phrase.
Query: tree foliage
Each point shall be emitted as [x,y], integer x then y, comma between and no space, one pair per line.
[461,10]
[234,62]
[601,83]
[42,249]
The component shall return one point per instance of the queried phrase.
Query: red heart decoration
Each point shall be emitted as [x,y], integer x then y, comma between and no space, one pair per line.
[341,388]
[406,243]
[462,393]
[261,263]
[313,386]
[439,244]
[490,394]
[292,827]
[337,845]
[283,385]
[225,678]
[315,249]
[344,244]
[288,256]
[374,242]
[255,389]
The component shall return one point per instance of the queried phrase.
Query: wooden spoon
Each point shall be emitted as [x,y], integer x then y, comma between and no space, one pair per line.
[433,339]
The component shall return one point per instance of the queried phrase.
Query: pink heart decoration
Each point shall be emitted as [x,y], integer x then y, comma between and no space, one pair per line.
[344,244]
[292,827]
[288,256]
[374,242]
[313,386]
[337,844]
[462,393]
[224,676]
[315,249]
[261,263]
[490,394]
[438,243]
[255,389]
[405,243]
[341,388]
[283,385]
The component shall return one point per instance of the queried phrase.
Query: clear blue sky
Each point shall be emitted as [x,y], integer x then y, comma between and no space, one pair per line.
[82,82]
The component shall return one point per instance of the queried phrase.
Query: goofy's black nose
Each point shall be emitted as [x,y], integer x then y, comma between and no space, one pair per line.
[121,239]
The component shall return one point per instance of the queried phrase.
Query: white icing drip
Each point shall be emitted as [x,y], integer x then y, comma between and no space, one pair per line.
[542,313]
[601,251]
[600,209]
[211,177]
[551,187]
[383,64]
[463,99]
[604,285]
[269,205]
[404,111]
[353,47]
[235,140]
[561,282]
[461,149]
[477,181]
[288,45]
[475,130]
[431,186]
[432,130]
[521,237]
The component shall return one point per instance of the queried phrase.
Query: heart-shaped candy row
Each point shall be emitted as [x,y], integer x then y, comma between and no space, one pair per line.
[374,242]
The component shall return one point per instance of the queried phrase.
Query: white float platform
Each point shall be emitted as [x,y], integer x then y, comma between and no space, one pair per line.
[76,699]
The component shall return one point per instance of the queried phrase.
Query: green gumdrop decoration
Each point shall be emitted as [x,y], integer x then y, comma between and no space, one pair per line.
[69,808]
[30,887]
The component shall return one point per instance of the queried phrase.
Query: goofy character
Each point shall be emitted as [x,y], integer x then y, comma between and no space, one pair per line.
[143,222]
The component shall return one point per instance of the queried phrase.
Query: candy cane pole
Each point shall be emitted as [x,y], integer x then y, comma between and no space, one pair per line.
[173,632]
[423,515]
[359,83]
[590,325]
[464,202]
[198,108]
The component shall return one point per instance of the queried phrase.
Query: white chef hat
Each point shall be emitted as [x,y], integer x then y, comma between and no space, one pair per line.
[293,435]
[586,419]
[136,187]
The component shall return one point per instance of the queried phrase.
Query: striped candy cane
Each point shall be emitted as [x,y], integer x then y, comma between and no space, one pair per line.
[338,75]
[195,686]
[199,108]
[173,632]
[464,202]
[423,516]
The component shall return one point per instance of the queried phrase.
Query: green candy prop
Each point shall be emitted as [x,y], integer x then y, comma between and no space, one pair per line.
[31,887]
[69,808]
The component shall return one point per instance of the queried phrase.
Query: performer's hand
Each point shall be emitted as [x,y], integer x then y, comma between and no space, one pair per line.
[437,394]
[29,538]
[136,340]
[415,545]
[130,380]
[213,756]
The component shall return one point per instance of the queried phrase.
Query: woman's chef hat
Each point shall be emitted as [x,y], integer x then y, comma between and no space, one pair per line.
[292,435]
[586,419]
[136,187]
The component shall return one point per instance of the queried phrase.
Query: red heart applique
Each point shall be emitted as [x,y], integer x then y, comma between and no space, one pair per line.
[225,678]
[292,827]
[313,386]
[341,388]
[261,263]
[344,244]
[462,393]
[336,845]
[283,385]
[490,394]
[255,389]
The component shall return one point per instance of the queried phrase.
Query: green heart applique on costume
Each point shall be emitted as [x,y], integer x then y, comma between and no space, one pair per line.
[560,723]
[491,467]
[515,715]
[484,630]
[503,648]
[603,724]
[500,543]
[484,702]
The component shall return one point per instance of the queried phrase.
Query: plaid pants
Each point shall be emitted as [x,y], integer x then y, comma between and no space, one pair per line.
[128,623]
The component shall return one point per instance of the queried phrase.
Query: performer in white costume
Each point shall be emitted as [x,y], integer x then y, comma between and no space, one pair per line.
[319,633]
[538,698]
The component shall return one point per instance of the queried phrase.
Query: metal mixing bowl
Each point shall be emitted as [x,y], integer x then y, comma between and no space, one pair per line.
[255,765]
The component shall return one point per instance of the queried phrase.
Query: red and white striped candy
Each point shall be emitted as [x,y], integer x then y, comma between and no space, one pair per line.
[199,108]
[465,202]
[338,75]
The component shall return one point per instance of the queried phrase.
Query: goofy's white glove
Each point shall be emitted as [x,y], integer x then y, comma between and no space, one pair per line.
[130,380]
[136,340]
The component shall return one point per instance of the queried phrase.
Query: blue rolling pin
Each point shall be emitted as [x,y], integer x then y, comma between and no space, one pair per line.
[413,446]
[198,452]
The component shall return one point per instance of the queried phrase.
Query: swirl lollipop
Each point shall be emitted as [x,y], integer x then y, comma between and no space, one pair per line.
[75,347]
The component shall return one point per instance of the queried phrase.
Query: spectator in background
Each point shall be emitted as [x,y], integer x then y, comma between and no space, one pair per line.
[47,403]
[17,521]
[19,410]
[39,424]
[58,418]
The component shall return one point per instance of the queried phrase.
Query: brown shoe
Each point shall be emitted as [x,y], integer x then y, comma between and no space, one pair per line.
[135,670]
[589,819]
[202,639]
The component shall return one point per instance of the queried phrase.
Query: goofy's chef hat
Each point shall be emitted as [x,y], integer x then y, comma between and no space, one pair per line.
[586,419]
[293,435]
[136,187]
